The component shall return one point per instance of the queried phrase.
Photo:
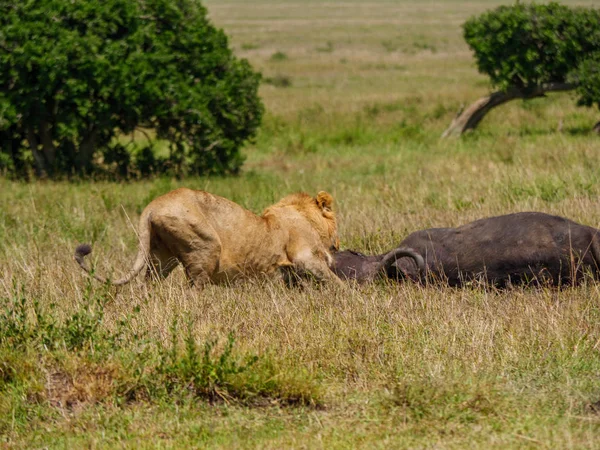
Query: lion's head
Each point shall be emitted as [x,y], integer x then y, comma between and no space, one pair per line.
[317,210]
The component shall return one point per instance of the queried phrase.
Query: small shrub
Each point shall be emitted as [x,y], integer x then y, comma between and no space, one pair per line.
[327,48]
[282,81]
[422,44]
[24,324]
[199,371]
[278,56]
[390,46]
[249,46]
[206,373]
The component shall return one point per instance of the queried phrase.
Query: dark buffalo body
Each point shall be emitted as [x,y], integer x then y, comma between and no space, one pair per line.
[515,248]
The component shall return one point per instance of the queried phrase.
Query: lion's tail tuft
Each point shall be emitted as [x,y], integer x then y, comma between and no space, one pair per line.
[82,251]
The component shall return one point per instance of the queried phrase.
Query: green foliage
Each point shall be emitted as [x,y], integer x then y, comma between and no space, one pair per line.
[81,345]
[279,56]
[587,77]
[526,45]
[74,75]
[205,372]
[198,370]
[279,80]
[24,324]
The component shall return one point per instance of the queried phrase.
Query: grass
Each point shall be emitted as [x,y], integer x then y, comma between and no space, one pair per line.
[383,365]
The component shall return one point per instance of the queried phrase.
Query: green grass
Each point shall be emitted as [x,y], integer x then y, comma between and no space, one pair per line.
[382,365]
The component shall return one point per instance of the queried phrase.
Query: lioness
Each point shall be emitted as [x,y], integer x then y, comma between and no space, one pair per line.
[217,240]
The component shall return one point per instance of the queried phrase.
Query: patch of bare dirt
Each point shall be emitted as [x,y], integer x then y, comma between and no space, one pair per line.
[87,385]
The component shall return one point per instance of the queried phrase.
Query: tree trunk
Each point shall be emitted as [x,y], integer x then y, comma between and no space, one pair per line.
[40,163]
[469,118]
[17,155]
[47,146]
[86,151]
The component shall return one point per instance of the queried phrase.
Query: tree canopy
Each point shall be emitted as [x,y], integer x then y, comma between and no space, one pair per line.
[526,45]
[587,79]
[76,75]
[530,49]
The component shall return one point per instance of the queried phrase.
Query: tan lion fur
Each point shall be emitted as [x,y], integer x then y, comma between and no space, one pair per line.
[216,240]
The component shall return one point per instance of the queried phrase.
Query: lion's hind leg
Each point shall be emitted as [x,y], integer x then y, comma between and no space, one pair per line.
[200,258]
[161,262]
[191,242]
[201,265]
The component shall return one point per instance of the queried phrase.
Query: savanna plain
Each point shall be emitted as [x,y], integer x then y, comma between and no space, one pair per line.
[357,94]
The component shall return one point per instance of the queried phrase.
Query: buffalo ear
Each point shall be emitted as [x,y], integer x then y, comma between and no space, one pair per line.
[324,201]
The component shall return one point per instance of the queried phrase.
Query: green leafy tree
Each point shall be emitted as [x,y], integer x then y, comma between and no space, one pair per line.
[75,75]
[587,79]
[528,50]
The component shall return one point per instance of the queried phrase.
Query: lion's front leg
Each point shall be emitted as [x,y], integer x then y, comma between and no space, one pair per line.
[290,276]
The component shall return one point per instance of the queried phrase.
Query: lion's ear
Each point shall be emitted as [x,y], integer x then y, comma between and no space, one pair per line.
[324,200]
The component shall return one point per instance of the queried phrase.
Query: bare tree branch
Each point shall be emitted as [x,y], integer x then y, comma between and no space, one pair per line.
[469,118]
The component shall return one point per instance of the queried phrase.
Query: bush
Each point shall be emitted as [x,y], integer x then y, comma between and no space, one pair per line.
[75,75]
[526,45]
[587,78]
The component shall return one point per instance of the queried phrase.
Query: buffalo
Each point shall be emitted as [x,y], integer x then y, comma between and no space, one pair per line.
[528,247]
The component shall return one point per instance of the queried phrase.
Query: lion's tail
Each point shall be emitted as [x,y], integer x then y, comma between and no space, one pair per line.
[140,261]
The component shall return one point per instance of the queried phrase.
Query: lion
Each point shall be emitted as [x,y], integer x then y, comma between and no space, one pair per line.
[217,241]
